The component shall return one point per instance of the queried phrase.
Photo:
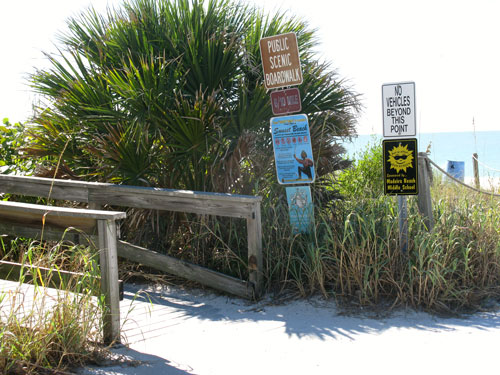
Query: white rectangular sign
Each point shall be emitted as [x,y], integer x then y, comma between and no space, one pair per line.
[398,109]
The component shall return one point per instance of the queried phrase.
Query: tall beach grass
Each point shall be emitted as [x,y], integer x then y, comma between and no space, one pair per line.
[43,328]
[353,252]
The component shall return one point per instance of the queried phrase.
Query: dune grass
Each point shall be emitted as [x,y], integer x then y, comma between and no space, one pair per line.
[353,253]
[453,268]
[44,328]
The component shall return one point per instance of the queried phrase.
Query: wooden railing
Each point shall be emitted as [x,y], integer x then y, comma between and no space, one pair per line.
[99,194]
[37,221]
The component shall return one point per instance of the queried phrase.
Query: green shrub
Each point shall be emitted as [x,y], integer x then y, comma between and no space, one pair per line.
[171,94]
[13,141]
[364,178]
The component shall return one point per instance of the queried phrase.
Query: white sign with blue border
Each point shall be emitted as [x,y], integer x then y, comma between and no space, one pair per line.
[292,149]
[301,208]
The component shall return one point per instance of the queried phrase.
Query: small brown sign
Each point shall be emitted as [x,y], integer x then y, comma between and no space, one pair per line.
[286,101]
[281,61]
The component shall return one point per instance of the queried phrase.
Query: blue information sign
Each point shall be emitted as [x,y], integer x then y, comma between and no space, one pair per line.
[300,207]
[292,149]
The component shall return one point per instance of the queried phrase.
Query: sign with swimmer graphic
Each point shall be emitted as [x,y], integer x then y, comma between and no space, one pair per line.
[292,149]
[400,166]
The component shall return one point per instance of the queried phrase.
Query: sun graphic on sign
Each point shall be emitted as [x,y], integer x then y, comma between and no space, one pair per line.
[400,158]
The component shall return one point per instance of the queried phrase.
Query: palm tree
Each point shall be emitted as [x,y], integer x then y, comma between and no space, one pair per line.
[170,93]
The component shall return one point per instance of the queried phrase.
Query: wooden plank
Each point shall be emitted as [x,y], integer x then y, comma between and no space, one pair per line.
[109,280]
[33,215]
[52,278]
[240,206]
[475,168]
[40,187]
[36,232]
[50,221]
[175,193]
[43,181]
[95,206]
[149,200]
[186,270]
[67,212]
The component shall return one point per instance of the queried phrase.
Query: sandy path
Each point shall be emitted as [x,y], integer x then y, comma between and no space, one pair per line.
[192,332]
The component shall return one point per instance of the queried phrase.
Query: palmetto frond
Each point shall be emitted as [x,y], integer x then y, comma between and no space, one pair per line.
[170,93]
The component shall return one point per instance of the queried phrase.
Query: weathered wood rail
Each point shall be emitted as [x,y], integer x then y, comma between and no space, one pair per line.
[51,278]
[34,221]
[99,194]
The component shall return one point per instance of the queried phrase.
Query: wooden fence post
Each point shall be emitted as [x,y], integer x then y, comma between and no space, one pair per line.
[109,280]
[475,166]
[255,262]
[424,190]
[94,206]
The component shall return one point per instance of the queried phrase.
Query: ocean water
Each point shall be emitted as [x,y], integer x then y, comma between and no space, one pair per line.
[457,146]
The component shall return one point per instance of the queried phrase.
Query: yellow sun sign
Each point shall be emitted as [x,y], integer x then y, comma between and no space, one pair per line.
[400,166]
[400,158]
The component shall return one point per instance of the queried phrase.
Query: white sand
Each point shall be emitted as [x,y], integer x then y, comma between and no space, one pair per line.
[486,183]
[192,332]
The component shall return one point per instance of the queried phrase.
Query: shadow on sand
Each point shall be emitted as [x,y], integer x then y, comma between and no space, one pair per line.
[312,317]
[134,362]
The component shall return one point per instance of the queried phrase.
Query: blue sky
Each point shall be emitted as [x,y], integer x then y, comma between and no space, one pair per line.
[448,48]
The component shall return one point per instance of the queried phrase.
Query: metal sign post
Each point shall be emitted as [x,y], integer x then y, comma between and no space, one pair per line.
[401,179]
[403,223]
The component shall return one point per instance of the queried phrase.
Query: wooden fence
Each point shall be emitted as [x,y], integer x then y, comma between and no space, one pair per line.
[99,194]
[36,221]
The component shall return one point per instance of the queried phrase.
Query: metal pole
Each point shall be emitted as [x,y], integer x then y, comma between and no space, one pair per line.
[403,223]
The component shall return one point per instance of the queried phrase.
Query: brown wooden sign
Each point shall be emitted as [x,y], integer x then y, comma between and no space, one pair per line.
[286,101]
[281,61]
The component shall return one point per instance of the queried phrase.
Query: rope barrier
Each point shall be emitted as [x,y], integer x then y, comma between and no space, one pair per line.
[484,165]
[460,182]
